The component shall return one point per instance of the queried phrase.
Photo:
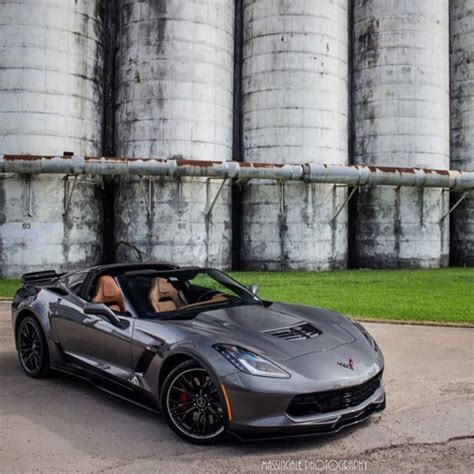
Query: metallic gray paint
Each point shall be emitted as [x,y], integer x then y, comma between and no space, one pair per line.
[131,356]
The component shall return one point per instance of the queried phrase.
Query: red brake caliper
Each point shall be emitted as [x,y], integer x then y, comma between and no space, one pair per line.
[183,398]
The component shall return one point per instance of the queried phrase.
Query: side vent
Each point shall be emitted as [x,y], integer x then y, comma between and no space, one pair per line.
[296,333]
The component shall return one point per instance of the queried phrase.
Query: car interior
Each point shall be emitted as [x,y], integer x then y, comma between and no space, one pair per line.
[154,294]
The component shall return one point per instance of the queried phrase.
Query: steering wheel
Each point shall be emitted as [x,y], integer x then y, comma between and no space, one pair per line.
[201,298]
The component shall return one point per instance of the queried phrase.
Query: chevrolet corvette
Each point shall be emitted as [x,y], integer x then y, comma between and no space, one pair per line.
[200,348]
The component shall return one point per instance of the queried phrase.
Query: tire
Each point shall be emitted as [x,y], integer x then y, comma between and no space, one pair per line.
[192,405]
[32,348]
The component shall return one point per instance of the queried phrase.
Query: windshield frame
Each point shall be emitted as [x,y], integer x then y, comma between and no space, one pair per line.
[243,295]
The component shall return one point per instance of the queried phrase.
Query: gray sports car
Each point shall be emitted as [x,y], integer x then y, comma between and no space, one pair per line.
[201,348]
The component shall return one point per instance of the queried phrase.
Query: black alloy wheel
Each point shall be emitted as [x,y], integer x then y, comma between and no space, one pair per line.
[32,348]
[192,405]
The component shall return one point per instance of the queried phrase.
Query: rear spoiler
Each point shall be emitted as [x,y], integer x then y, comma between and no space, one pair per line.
[36,277]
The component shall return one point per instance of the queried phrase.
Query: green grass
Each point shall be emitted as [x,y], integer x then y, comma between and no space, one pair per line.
[445,295]
[425,295]
[8,286]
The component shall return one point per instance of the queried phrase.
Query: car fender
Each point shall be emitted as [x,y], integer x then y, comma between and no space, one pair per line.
[208,365]
[41,305]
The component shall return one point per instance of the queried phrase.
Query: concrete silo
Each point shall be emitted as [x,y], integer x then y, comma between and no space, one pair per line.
[295,110]
[174,100]
[462,124]
[50,102]
[401,118]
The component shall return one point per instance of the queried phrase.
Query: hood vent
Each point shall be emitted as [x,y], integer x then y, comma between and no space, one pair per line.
[296,333]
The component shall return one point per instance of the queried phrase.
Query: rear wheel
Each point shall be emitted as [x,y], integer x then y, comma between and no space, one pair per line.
[191,404]
[32,348]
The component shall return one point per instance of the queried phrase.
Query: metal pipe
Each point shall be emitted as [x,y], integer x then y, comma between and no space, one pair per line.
[352,175]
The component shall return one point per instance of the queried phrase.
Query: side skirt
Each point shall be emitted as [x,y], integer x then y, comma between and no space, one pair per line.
[129,393]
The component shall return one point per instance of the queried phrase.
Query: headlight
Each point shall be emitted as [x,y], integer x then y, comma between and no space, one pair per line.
[250,363]
[369,338]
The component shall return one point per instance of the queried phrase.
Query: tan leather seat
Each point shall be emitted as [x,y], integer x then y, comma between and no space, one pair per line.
[163,296]
[108,292]
[217,298]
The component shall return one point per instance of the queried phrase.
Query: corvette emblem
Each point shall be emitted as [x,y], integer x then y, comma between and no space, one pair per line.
[349,365]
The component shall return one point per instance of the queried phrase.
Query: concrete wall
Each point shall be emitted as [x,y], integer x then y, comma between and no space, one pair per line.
[462,124]
[50,101]
[295,110]
[174,100]
[401,118]
[173,64]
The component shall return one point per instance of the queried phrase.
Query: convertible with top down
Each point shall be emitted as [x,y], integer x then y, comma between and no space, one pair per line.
[201,348]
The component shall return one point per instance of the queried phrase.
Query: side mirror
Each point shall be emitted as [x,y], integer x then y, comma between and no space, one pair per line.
[100,309]
[253,288]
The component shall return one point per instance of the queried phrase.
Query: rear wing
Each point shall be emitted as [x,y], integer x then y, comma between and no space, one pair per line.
[37,277]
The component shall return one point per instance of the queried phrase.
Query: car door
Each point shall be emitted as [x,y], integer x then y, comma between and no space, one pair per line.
[92,340]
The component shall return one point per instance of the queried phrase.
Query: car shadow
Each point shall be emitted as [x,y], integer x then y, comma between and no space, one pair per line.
[100,424]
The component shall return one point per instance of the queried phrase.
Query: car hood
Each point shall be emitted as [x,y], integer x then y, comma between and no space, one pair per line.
[252,327]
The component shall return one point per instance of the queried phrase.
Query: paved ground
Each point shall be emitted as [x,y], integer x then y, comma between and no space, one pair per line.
[62,424]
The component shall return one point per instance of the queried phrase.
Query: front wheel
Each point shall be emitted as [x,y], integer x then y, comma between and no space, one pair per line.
[32,348]
[191,404]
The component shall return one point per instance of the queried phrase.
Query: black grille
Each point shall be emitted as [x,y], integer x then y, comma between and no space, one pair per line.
[325,402]
[295,333]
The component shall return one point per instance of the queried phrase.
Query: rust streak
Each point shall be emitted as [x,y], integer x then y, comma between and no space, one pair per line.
[391,169]
[247,164]
[198,163]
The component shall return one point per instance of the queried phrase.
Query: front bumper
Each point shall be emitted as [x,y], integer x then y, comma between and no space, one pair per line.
[262,415]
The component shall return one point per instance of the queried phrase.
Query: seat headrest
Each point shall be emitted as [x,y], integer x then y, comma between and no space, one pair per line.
[161,292]
[108,292]
[164,287]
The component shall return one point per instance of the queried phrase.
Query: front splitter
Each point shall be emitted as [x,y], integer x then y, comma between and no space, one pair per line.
[308,431]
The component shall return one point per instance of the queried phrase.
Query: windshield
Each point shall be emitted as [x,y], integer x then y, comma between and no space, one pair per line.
[184,292]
